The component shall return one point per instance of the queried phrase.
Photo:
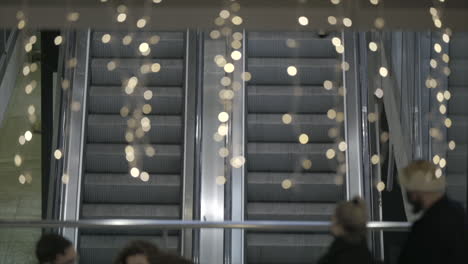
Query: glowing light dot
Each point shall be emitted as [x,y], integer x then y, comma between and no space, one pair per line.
[328,85]
[384,137]
[440,97]
[221,180]
[339,49]
[437,23]
[237,162]
[28,47]
[155,67]
[342,146]
[215,34]
[22,140]
[127,40]
[303,21]
[347,22]
[223,129]
[330,153]
[225,81]
[150,151]
[148,95]
[111,66]
[135,172]
[446,38]
[373,46]
[436,159]
[141,23]
[383,72]
[238,36]
[303,139]
[28,135]
[442,109]
[451,145]
[433,11]
[22,179]
[445,58]
[447,95]
[236,55]
[144,47]
[292,71]
[332,20]
[306,164]
[331,114]
[437,48]
[442,163]
[157,1]
[433,63]
[223,152]
[224,14]
[229,67]
[31,109]
[336,41]
[379,93]
[73,17]
[438,173]
[106,38]
[286,184]
[379,23]
[147,109]
[335,2]
[237,20]
[374,2]
[121,17]
[286,118]
[448,122]
[381,186]
[144,176]
[21,24]
[26,70]
[246,76]
[223,117]
[65,178]
[57,154]
[375,159]
[18,160]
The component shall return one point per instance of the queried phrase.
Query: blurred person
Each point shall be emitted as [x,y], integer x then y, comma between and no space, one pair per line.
[143,252]
[349,227]
[55,249]
[441,234]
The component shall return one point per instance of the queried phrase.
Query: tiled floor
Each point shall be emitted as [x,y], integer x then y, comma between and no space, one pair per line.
[20,201]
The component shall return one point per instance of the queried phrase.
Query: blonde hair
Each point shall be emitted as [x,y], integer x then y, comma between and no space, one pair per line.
[420,175]
[352,216]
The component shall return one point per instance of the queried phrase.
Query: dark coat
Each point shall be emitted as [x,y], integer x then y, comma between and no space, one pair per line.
[344,252]
[440,236]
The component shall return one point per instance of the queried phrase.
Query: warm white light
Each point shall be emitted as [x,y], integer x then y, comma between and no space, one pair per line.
[121,17]
[303,139]
[223,129]
[342,146]
[221,180]
[286,184]
[223,117]
[58,40]
[379,93]
[148,95]
[141,23]
[286,118]
[229,67]
[236,55]
[332,20]
[330,153]
[224,14]
[347,22]
[237,20]
[106,38]
[436,159]
[328,85]
[381,186]
[144,176]
[446,38]
[111,66]
[437,48]
[135,172]
[373,46]
[58,154]
[306,164]
[383,72]
[155,67]
[127,40]
[22,140]
[292,71]
[452,145]
[144,47]
[303,21]
[28,135]
[375,159]
[18,160]
[223,152]
[336,41]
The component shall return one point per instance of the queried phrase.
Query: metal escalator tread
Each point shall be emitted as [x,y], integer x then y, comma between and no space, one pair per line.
[288,157]
[111,129]
[166,44]
[130,211]
[170,74]
[102,249]
[123,188]
[290,211]
[306,187]
[273,71]
[110,158]
[289,99]
[111,99]
[456,159]
[285,248]
[271,128]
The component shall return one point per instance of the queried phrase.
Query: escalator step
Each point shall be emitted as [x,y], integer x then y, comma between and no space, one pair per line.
[111,99]
[289,211]
[112,129]
[456,187]
[169,44]
[170,74]
[459,130]
[284,157]
[305,187]
[123,188]
[290,99]
[456,160]
[110,158]
[289,44]
[458,44]
[130,211]
[103,249]
[272,71]
[458,76]
[270,128]
[286,248]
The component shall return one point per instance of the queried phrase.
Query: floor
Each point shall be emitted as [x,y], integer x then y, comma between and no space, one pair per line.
[17,200]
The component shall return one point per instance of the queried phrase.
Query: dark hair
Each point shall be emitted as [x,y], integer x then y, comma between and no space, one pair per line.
[352,216]
[49,246]
[138,247]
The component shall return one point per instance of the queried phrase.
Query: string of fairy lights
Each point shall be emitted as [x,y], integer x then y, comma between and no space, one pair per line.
[228,27]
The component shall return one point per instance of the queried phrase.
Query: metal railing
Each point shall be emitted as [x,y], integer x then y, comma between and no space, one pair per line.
[317,226]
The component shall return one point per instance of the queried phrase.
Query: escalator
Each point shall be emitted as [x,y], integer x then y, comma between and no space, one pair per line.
[458,112]
[109,191]
[287,180]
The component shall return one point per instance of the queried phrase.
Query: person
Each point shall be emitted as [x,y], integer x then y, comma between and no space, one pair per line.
[55,249]
[440,235]
[349,227]
[143,252]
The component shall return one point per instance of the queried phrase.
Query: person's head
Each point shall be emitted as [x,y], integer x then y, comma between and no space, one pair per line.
[423,183]
[55,249]
[350,220]
[138,252]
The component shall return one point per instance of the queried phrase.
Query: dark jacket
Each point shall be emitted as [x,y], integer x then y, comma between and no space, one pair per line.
[439,237]
[342,251]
